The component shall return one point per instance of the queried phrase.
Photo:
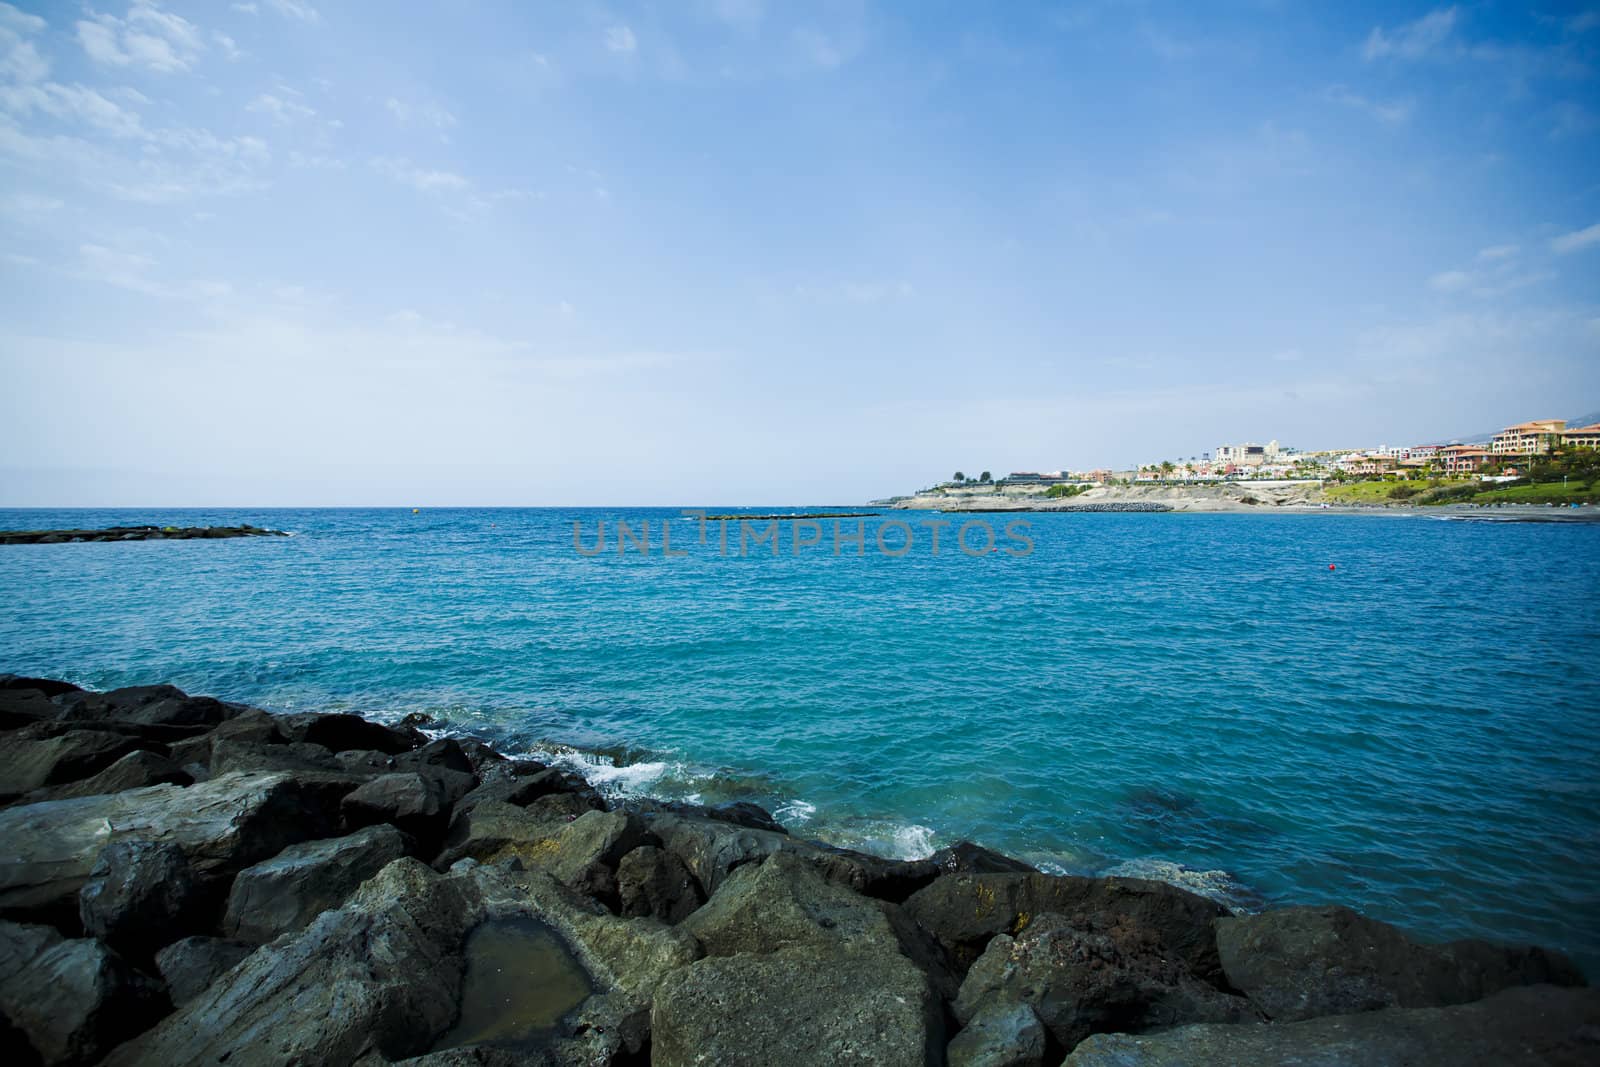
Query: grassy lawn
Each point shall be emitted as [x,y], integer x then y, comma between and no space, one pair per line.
[1552,492]
[1360,493]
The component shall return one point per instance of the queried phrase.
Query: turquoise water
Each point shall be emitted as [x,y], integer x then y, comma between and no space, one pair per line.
[1415,733]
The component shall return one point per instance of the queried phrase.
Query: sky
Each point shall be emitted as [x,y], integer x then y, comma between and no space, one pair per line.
[308,252]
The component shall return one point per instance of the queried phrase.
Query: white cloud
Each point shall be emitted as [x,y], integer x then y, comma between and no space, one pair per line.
[1498,252]
[1412,40]
[229,47]
[147,37]
[818,48]
[1392,112]
[427,114]
[247,9]
[420,178]
[281,110]
[621,39]
[1450,281]
[1577,239]
[295,9]
[20,21]
[133,272]
[71,103]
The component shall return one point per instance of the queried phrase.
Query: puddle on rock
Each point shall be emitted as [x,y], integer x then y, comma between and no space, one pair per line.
[520,980]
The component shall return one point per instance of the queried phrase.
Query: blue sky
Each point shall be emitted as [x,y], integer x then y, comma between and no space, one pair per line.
[730,251]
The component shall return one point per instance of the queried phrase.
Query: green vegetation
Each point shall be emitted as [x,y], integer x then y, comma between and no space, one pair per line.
[1374,492]
[1463,491]
[1547,493]
[1056,492]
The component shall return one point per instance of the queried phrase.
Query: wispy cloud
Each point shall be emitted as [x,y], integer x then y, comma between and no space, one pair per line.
[425,114]
[1577,239]
[422,179]
[1498,252]
[135,272]
[146,37]
[1392,112]
[1413,40]
[621,39]
[295,9]
[280,109]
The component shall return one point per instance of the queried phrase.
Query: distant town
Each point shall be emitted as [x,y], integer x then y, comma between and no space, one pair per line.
[1507,455]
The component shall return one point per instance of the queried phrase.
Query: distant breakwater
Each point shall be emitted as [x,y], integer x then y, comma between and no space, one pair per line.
[133,533]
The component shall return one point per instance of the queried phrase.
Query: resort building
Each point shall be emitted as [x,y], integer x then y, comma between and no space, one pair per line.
[1464,459]
[1528,438]
[1248,454]
[1582,436]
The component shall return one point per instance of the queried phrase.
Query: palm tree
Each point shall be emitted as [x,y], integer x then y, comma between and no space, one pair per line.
[984,477]
[959,477]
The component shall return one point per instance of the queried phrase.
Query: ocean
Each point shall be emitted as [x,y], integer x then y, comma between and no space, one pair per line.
[1396,712]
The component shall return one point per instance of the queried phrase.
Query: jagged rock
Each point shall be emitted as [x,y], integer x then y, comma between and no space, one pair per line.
[486,831]
[964,857]
[140,896]
[964,911]
[50,687]
[445,753]
[281,895]
[584,854]
[73,1000]
[521,782]
[1535,1025]
[380,978]
[800,1005]
[136,770]
[250,725]
[222,826]
[341,732]
[229,755]
[31,758]
[23,705]
[1089,978]
[1298,963]
[654,882]
[189,966]
[149,705]
[1001,1035]
[413,802]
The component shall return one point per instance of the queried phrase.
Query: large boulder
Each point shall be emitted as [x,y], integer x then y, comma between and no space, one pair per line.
[140,896]
[798,1005]
[190,965]
[584,853]
[382,978]
[222,826]
[149,705]
[73,1000]
[340,732]
[1001,1035]
[1083,978]
[136,770]
[652,881]
[964,911]
[283,894]
[521,782]
[1299,963]
[486,831]
[416,803]
[1536,1025]
[40,755]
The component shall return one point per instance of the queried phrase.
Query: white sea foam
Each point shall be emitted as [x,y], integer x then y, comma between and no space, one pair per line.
[795,811]
[912,843]
[1219,886]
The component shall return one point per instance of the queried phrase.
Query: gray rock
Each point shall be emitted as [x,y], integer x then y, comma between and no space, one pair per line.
[965,910]
[136,770]
[445,753]
[1080,979]
[249,725]
[1299,963]
[799,1005]
[654,882]
[222,826]
[150,705]
[381,978]
[521,782]
[494,829]
[73,1000]
[140,896]
[31,759]
[1002,1035]
[22,705]
[1535,1025]
[283,894]
[341,732]
[964,857]
[415,803]
[189,966]
[585,853]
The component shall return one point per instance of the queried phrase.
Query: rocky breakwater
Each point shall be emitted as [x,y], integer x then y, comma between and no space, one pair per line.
[184,880]
[133,533]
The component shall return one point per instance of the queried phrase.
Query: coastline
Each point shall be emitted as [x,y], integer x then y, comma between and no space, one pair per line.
[251,871]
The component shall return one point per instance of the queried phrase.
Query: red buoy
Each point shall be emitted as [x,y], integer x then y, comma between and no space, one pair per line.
[1330,567]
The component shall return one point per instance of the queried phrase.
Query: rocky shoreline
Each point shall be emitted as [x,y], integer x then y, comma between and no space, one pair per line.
[186,880]
[133,533]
